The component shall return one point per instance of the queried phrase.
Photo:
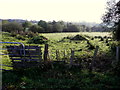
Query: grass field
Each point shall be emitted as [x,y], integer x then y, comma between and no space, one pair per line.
[64,46]
[59,75]
[55,43]
[57,36]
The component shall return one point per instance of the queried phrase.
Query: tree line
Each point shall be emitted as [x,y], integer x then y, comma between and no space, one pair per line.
[47,27]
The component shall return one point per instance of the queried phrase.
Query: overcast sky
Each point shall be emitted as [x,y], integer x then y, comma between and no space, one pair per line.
[49,10]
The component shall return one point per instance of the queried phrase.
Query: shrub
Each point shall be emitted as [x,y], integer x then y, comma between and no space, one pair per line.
[20,37]
[31,34]
[13,34]
[38,40]
[78,37]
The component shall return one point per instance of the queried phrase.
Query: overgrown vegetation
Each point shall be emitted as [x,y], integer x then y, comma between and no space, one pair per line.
[38,40]
[89,69]
[58,75]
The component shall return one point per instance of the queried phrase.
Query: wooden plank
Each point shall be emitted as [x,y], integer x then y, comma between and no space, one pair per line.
[15,52]
[12,46]
[33,54]
[40,53]
[27,60]
[30,59]
[28,52]
[15,49]
[17,59]
[15,55]
[32,47]
[26,47]
[25,65]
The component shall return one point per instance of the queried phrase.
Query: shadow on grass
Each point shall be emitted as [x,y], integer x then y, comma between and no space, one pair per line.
[58,76]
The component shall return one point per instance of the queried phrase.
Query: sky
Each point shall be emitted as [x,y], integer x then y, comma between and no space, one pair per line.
[49,10]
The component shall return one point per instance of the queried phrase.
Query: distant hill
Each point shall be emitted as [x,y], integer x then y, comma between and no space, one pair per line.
[19,20]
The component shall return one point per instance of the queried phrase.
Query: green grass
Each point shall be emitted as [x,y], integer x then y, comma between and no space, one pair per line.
[56,43]
[58,36]
[59,75]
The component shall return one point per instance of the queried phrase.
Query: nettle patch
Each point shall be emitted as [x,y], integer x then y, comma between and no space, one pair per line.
[79,37]
[38,40]
[76,37]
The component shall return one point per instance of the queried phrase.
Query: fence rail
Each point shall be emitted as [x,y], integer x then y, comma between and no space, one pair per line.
[22,55]
[34,53]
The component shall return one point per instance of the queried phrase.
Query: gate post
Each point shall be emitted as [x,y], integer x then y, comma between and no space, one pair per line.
[45,52]
[71,58]
[117,54]
[93,60]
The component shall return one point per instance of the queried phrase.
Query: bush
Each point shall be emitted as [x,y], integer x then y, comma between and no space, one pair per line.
[78,37]
[12,27]
[13,34]
[38,40]
[30,34]
[20,37]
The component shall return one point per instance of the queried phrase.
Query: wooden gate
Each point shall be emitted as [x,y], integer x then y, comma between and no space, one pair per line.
[25,57]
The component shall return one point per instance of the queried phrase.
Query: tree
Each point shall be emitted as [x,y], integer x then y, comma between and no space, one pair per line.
[36,28]
[83,28]
[50,28]
[112,17]
[72,28]
[26,25]
[43,24]
[58,27]
[12,27]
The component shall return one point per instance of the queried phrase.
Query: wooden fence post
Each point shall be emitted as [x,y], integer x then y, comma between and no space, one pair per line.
[117,54]
[40,54]
[64,55]
[45,52]
[57,55]
[71,58]
[94,56]
[49,56]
